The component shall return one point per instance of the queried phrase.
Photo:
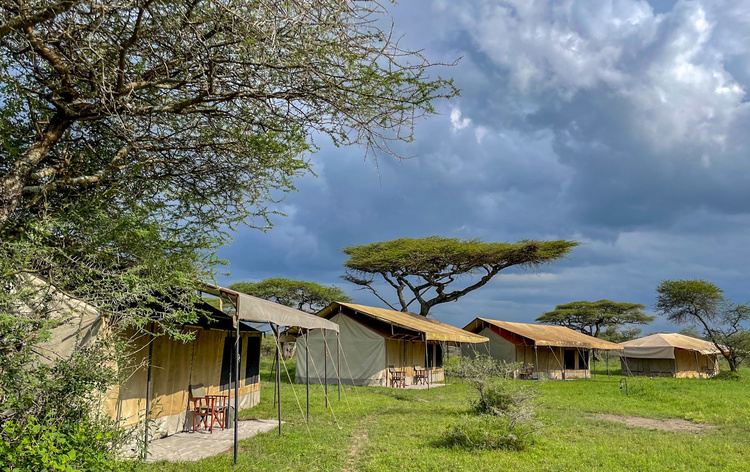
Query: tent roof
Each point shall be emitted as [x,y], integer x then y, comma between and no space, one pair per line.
[672,340]
[258,310]
[546,335]
[432,330]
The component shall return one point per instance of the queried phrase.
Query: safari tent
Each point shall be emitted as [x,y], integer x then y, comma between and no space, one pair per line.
[554,352]
[670,355]
[371,340]
[159,370]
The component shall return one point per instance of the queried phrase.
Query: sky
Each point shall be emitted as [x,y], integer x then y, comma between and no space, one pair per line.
[622,125]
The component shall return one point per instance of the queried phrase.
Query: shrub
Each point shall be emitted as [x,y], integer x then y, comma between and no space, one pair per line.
[489,432]
[505,407]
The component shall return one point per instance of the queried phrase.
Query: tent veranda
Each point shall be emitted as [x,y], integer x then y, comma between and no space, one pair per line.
[554,351]
[669,355]
[371,340]
[257,310]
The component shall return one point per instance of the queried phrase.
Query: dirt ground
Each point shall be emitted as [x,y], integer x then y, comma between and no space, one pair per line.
[671,424]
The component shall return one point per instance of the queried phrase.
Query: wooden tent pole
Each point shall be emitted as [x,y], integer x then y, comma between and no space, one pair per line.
[536,360]
[307,371]
[338,362]
[148,391]
[697,364]
[325,364]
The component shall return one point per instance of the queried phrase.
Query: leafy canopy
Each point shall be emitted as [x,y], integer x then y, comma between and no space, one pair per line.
[421,269]
[302,295]
[701,303]
[593,317]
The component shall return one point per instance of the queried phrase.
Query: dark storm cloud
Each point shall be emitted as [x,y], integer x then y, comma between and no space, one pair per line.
[619,124]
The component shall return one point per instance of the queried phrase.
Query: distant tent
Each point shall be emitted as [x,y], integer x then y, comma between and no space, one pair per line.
[670,355]
[372,339]
[553,351]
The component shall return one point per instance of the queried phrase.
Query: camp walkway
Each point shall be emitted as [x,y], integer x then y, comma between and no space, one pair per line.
[186,447]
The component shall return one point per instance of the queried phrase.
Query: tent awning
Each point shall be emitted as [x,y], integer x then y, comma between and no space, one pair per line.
[258,310]
[546,335]
[431,329]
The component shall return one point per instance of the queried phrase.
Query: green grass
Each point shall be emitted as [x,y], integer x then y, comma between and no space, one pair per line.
[378,429]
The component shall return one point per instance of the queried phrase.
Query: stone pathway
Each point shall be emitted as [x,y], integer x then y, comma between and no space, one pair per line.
[182,447]
[423,386]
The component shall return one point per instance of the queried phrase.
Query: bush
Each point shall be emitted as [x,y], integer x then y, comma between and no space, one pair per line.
[729,375]
[505,407]
[489,432]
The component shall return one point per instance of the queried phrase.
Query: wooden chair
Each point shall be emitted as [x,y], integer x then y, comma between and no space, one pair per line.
[420,375]
[219,409]
[397,377]
[202,407]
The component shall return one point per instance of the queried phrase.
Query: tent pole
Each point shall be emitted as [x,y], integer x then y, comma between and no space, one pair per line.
[278,373]
[307,371]
[273,372]
[536,360]
[593,359]
[325,364]
[236,387]
[148,391]
[338,362]
[606,358]
[697,364]
[427,361]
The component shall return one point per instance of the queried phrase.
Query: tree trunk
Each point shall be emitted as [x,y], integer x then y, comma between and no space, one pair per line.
[13,182]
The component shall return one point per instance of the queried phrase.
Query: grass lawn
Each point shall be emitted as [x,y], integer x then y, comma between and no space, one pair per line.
[374,429]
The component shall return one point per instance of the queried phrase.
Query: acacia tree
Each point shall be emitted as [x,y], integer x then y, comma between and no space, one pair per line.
[133,133]
[592,318]
[310,297]
[421,270]
[702,303]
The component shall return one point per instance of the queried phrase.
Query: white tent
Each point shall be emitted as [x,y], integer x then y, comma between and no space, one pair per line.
[670,355]
[372,339]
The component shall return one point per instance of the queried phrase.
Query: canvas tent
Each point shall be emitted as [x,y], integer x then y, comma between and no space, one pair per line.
[670,355]
[372,339]
[160,369]
[555,352]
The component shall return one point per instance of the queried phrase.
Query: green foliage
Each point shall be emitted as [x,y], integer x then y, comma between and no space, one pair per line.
[698,302]
[55,445]
[687,301]
[490,433]
[425,267]
[612,334]
[302,295]
[592,317]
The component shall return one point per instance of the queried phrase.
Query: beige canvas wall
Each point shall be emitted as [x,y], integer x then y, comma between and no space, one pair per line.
[685,364]
[175,366]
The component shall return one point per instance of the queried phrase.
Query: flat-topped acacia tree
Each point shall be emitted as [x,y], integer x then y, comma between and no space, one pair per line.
[310,297]
[593,317]
[422,270]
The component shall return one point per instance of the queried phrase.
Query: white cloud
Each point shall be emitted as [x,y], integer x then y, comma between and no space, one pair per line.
[458,123]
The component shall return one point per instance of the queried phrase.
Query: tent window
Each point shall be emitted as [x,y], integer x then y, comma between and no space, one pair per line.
[252,364]
[570,359]
[227,364]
